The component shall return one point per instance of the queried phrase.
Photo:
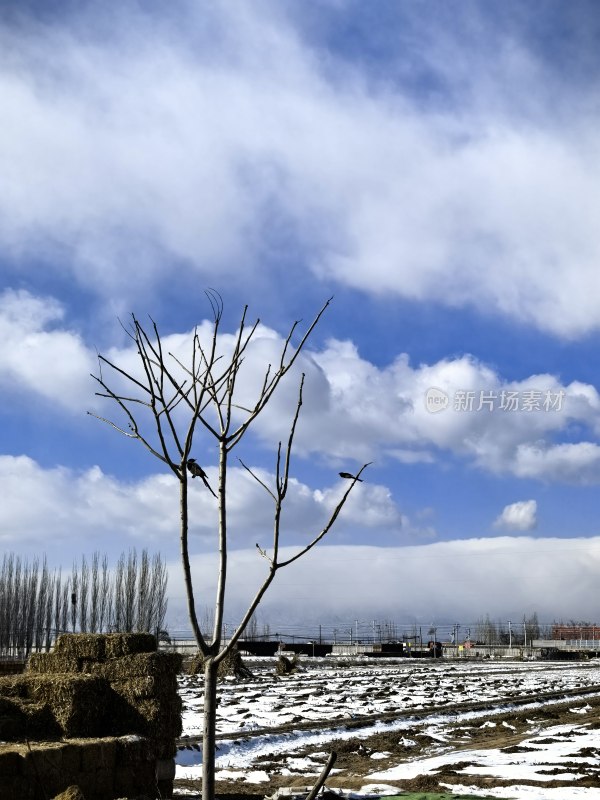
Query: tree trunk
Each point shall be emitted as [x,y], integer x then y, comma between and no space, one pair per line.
[209,739]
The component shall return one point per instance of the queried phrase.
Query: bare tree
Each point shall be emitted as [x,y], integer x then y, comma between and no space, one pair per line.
[52,585]
[74,595]
[166,404]
[41,604]
[118,616]
[6,600]
[486,631]
[30,604]
[105,606]
[95,626]
[59,600]
[84,589]
[159,593]
[130,592]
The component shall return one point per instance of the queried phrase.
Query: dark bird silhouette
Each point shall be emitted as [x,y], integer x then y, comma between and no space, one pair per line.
[197,472]
[350,477]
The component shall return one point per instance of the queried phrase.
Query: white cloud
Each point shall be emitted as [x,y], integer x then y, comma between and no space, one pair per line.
[368,411]
[37,356]
[463,581]
[356,411]
[353,410]
[73,508]
[579,463]
[142,148]
[521,516]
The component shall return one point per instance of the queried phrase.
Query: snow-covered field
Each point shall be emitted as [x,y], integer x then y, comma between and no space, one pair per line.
[399,721]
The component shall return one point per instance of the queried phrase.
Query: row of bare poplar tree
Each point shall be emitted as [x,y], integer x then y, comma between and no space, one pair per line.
[37,603]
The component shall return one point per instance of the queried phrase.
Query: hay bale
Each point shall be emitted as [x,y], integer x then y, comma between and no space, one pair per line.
[130,748]
[17,786]
[138,665]
[12,687]
[70,793]
[284,666]
[22,719]
[78,702]
[97,755]
[134,689]
[81,645]
[127,644]
[12,720]
[51,663]
[159,720]
[11,762]
[135,767]
[101,646]
[232,664]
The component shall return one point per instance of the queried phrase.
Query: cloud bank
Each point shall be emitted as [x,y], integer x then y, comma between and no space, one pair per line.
[445,582]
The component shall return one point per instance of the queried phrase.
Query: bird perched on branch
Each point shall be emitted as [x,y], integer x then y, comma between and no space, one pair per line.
[197,472]
[350,477]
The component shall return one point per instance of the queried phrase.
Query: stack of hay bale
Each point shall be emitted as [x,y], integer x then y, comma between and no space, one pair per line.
[102,686]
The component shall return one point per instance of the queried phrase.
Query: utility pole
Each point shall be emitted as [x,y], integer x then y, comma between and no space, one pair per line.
[509,636]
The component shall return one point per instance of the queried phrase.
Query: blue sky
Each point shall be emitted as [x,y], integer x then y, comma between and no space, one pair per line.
[433,166]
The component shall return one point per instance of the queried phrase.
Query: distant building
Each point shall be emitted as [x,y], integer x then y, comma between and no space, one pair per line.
[570,632]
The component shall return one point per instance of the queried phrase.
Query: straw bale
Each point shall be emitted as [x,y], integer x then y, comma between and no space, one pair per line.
[17,787]
[166,748]
[11,762]
[159,720]
[12,720]
[232,664]
[127,644]
[78,702]
[45,758]
[138,665]
[134,689]
[50,663]
[131,748]
[12,687]
[284,666]
[165,769]
[22,719]
[70,793]
[81,645]
[40,722]
[135,780]
[97,755]
[71,759]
